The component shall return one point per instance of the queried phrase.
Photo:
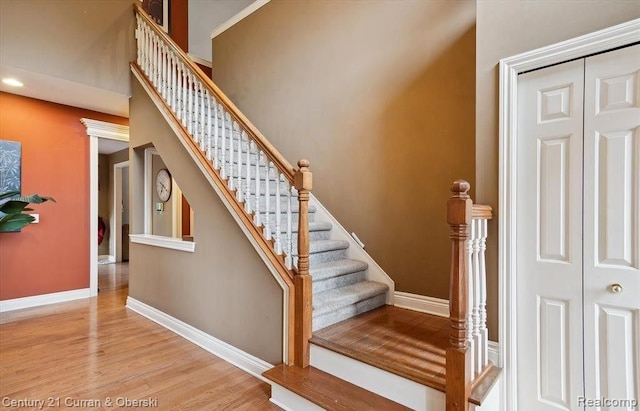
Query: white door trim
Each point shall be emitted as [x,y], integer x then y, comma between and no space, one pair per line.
[97,129]
[510,67]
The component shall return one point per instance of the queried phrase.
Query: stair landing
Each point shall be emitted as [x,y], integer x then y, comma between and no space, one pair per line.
[404,342]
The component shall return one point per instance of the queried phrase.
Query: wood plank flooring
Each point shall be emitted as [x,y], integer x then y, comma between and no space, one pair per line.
[401,341]
[97,350]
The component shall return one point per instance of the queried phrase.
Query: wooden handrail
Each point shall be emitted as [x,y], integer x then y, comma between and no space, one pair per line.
[278,159]
[481,211]
[458,376]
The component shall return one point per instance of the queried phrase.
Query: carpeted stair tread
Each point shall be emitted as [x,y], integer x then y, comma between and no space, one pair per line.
[332,300]
[322,271]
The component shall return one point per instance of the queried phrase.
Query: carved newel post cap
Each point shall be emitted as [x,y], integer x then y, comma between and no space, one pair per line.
[460,186]
[304,164]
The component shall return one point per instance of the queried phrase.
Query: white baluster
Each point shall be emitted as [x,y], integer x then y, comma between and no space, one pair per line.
[209,124]
[288,261]
[230,135]
[247,194]
[216,134]
[484,333]
[185,86]
[267,202]
[145,57]
[163,62]
[257,220]
[232,132]
[470,299]
[239,192]
[138,41]
[223,143]
[156,62]
[203,106]
[196,111]
[152,64]
[475,272]
[278,243]
[190,103]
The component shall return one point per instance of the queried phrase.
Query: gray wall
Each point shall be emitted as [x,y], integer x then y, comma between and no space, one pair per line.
[506,28]
[379,96]
[223,288]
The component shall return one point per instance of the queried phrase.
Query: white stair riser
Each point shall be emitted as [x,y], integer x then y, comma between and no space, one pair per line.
[399,389]
[290,401]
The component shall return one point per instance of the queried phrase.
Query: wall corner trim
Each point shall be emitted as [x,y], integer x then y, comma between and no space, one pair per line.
[164,242]
[102,129]
[422,303]
[238,17]
[245,361]
[43,299]
[201,61]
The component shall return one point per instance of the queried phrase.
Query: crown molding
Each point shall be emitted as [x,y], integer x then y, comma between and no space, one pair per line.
[102,129]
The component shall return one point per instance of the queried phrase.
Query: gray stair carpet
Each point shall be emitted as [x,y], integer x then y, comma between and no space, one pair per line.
[340,286]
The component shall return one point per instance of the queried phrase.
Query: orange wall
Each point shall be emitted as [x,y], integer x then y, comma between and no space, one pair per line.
[53,255]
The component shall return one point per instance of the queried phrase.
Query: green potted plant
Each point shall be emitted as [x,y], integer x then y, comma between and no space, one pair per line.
[12,211]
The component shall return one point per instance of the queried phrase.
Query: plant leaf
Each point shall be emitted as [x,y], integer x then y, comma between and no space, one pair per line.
[13,206]
[9,194]
[34,199]
[14,222]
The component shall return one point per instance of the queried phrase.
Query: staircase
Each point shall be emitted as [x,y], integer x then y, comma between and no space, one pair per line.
[330,282]
[340,287]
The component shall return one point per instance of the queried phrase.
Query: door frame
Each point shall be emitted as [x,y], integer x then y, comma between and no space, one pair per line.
[116,221]
[96,129]
[599,41]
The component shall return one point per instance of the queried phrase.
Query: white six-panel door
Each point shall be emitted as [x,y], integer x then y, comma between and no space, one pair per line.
[612,226]
[549,243]
[578,234]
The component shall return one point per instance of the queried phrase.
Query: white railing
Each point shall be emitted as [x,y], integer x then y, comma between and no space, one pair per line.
[477,335]
[261,180]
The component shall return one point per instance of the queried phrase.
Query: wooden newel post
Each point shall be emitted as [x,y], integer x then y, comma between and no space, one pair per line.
[458,386]
[302,280]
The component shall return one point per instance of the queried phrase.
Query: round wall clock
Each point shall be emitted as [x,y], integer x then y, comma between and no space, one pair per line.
[163,185]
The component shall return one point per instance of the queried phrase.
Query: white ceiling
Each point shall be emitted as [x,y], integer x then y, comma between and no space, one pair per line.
[106,146]
[57,90]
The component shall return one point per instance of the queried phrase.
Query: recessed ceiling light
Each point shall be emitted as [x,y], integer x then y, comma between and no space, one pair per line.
[12,82]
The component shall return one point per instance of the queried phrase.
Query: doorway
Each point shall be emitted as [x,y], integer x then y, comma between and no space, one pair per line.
[120,207]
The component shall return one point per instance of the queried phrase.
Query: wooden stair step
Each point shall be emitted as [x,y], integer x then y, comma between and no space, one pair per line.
[327,391]
[403,342]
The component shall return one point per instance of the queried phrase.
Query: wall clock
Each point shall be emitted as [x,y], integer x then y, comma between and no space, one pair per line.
[163,185]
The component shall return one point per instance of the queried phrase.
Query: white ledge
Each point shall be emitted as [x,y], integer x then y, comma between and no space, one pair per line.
[164,242]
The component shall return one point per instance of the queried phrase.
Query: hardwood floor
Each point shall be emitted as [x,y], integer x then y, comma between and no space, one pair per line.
[404,342]
[96,354]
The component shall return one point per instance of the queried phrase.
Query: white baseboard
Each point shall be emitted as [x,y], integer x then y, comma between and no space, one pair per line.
[43,299]
[422,303]
[247,362]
